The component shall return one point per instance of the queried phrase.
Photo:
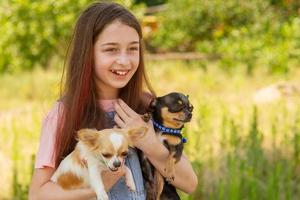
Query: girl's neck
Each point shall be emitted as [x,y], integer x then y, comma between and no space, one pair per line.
[108,94]
[107,104]
[108,97]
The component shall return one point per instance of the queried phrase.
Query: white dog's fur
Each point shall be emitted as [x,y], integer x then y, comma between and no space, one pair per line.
[96,151]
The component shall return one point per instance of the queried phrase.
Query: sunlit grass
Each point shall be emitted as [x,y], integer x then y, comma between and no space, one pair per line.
[239,151]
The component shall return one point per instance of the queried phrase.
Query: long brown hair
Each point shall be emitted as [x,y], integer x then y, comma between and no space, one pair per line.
[78,96]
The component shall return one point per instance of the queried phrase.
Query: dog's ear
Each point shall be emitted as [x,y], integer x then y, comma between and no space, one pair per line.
[88,136]
[129,140]
[136,133]
[152,105]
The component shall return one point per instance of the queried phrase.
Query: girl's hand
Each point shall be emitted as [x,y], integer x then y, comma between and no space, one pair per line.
[126,118]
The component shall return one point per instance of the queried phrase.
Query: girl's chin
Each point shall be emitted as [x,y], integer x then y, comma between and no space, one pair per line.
[119,85]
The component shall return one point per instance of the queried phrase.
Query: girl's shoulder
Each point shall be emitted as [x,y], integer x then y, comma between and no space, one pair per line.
[45,154]
[57,107]
[55,111]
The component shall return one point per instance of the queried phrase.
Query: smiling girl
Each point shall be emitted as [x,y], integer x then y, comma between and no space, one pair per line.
[105,87]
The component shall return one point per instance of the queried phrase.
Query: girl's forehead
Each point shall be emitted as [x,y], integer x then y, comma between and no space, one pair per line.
[117,32]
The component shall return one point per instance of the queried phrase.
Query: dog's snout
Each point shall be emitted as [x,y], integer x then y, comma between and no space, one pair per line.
[117,163]
[188,115]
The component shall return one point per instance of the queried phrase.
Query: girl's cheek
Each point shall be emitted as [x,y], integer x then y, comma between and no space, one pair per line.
[136,62]
[103,64]
[103,58]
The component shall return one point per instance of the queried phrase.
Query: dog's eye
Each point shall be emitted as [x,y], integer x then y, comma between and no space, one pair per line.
[179,102]
[107,155]
[124,153]
[175,109]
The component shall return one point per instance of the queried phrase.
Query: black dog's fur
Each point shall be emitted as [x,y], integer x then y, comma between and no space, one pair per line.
[172,111]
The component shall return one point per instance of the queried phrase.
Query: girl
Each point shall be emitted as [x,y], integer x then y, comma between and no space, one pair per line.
[103,88]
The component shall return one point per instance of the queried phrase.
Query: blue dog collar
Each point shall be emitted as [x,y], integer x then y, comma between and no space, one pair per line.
[169,130]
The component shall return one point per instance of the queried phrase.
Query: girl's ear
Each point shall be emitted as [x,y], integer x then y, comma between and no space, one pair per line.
[88,136]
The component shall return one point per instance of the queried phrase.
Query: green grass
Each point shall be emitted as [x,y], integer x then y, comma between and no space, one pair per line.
[239,151]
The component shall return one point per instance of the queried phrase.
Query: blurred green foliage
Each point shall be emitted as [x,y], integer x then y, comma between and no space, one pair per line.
[151,2]
[254,33]
[33,32]
[250,33]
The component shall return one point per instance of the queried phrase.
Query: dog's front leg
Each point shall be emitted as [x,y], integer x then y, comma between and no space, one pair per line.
[96,183]
[129,179]
[159,184]
[170,168]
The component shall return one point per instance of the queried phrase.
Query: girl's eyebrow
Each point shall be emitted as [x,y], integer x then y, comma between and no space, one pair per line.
[114,43]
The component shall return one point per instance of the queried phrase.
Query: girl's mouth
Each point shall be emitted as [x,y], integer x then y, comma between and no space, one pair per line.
[120,72]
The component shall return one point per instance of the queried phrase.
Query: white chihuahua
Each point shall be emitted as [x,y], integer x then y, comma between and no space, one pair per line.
[96,151]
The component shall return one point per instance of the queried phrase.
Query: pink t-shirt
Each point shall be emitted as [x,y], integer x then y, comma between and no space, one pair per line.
[45,154]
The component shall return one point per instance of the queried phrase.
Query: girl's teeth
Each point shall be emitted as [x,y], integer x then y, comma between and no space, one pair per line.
[122,73]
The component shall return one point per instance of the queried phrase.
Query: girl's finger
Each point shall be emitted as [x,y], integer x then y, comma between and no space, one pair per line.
[121,112]
[127,109]
[119,121]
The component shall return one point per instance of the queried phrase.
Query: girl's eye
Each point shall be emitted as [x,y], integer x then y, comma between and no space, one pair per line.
[111,49]
[133,49]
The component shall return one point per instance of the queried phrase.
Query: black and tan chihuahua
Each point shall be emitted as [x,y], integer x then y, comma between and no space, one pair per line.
[169,113]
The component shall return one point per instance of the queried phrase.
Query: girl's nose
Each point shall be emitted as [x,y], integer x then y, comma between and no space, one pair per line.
[123,59]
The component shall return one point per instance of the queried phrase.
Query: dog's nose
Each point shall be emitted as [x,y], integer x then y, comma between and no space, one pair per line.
[188,116]
[117,163]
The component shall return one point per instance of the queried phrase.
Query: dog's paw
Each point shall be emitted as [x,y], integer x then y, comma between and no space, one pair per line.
[102,196]
[146,117]
[169,174]
[170,179]
[131,186]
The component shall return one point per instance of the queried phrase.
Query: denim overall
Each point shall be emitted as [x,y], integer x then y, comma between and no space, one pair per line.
[120,191]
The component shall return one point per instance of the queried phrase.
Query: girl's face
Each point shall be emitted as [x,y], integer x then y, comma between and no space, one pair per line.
[116,58]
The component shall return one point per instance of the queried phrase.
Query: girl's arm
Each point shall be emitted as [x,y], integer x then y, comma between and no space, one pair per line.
[42,188]
[185,177]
